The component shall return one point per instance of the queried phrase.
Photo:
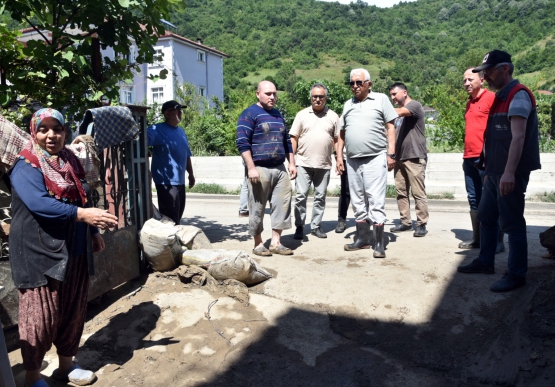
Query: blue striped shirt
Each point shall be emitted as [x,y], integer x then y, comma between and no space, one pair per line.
[263,133]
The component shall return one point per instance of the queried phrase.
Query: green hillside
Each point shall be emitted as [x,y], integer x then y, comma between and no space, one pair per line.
[422,43]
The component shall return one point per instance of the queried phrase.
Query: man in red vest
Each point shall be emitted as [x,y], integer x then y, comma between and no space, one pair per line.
[511,152]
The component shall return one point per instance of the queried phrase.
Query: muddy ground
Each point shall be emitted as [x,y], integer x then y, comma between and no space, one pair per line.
[330,318]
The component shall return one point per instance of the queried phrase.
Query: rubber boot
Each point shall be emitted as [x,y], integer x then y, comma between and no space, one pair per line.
[362,237]
[475,241]
[379,247]
[500,245]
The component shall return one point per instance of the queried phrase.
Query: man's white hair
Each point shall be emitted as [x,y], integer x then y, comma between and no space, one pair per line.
[364,71]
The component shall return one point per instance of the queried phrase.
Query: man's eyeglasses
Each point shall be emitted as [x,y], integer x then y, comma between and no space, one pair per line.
[358,83]
[318,96]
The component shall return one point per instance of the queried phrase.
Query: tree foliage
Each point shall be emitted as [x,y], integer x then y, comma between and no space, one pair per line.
[423,39]
[62,64]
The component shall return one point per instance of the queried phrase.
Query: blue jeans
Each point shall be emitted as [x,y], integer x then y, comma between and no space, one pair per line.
[474,181]
[506,212]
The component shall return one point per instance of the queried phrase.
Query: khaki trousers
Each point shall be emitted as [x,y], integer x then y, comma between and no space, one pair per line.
[409,176]
[274,186]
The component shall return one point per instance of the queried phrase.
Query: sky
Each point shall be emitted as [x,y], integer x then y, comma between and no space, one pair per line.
[379,3]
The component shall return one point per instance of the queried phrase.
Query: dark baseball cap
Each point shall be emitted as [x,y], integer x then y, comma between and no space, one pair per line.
[169,105]
[493,58]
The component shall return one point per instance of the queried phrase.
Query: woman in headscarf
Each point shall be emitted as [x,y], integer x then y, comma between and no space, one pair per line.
[52,237]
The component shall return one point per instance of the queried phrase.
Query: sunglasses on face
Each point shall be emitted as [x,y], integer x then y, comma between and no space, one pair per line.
[318,96]
[358,83]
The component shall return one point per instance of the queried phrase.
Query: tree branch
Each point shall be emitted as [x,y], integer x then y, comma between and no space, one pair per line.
[63,47]
[73,14]
[37,29]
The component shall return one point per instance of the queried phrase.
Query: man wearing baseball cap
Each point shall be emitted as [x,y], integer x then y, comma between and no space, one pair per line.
[510,153]
[171,157]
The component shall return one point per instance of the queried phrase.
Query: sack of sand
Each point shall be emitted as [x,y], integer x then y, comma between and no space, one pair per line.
[227,264]
[160,245]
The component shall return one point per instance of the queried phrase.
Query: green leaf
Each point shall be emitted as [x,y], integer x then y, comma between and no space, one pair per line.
[68,55]
[124,3]
[81,61]
[4,98]
[97,95]
[37,74]
[63,73]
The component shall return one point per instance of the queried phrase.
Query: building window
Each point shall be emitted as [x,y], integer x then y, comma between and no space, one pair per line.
[158,57]
[157,94]
[126,94]
[130,58]
[202,91]
[201,56]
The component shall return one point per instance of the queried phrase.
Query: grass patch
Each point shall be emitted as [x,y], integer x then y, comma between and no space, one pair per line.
[210,188]
[390,191]
[331,68]
[262,73]
[546,197]
[445,195]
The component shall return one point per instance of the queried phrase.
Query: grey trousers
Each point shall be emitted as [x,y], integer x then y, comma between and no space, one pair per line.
[367,185]
[305,178]
[274,186]
[244,196]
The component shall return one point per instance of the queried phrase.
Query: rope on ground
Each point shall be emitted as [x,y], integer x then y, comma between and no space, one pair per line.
[207,315]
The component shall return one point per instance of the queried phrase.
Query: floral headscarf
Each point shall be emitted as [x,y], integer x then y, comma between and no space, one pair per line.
[62,172]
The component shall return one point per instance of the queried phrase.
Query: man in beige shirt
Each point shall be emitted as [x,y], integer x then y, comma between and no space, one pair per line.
[313,134]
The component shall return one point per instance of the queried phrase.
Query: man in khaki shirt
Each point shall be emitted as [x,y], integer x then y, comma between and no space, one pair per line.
[313,134]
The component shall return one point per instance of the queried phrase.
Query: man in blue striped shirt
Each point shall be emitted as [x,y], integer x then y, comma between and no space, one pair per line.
[264,144]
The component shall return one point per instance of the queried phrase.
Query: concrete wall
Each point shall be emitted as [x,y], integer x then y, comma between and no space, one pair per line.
[444,174]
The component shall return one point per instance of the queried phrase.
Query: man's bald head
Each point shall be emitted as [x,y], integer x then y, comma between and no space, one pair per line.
[264,84]
[266,94]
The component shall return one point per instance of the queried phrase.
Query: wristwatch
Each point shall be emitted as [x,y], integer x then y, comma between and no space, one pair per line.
[392,155]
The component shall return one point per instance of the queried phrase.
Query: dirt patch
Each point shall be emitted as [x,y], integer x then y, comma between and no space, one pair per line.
[155,332]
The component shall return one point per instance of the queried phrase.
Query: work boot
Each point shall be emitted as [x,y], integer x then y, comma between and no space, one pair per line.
[317,232]
[500,245]
[400,228]
[379,247]
[475,241]
[507,283]
[475,267]
[340,228]
[362,237]
[420,231]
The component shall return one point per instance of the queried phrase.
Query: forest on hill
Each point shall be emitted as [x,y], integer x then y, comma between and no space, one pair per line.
[422,43]
[426,44]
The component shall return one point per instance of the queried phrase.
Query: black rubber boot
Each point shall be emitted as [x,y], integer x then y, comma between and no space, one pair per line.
[362,237]
[379,247]
[500,245]
[475,241]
